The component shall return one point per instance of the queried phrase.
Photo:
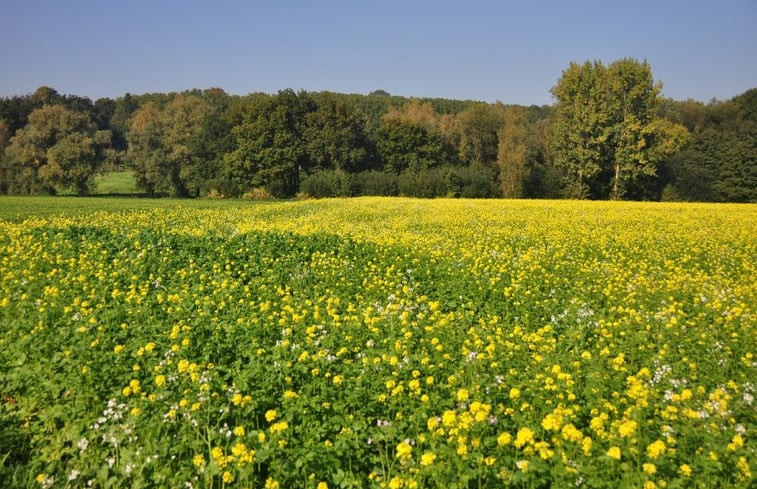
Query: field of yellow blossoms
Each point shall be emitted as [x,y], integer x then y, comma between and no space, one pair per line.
[380,343]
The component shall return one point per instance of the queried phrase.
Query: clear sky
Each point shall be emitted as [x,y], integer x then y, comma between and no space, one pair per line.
[511,51]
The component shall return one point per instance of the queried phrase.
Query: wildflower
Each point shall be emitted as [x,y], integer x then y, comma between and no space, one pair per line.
[404,450]
[428,458]
[279,427]
[239,430]
[524,436]
[503,439]
[522,465]
[270,415]
[614,452]
[685,469]
[198,460]
[648,468]
[228,477]
[736,442]
[655,449]
[627,428]
[322,485]
[271,483]
[396,483]
[160,380]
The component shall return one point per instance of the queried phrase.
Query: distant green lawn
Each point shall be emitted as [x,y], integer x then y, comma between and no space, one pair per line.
[116,182]
[18,208]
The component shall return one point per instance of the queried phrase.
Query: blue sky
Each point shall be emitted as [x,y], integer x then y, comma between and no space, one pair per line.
[511,51]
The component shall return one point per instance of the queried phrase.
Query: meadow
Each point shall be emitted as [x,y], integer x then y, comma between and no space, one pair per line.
[376,342]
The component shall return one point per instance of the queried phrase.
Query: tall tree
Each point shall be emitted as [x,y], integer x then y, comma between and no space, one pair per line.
[607,137]
[161,143]
[58,149]
[479,126]
[269,146]
[335,135]
[512,152]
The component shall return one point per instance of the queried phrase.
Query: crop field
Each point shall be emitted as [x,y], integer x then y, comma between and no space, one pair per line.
[378,343]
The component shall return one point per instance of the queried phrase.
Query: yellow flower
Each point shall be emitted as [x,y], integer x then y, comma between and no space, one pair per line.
[239,449]
[290,394]
[338,379]
[655,449]
[627,428]
[524,436]
[514,393]
[522,465]
[228,477]
[279,427]
[685,470]
[118,349]
[239,430]
[503,439]
[40,478]
[271,484]
[160,380]
[449,418]
[216,452]
[396,483]
[428,458]
[150,346]
[404,450]
[551,422]
[322,485]
[198,460]
[462,395]
[650,469]
[736,442]
[614,452]
[270,415]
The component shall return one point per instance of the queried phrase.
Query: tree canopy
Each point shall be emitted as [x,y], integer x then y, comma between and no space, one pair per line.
[610,135]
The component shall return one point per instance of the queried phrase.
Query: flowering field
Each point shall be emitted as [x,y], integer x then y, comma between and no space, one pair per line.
[380,343]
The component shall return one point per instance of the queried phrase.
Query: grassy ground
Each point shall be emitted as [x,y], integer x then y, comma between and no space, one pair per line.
[18,208]
[116,182]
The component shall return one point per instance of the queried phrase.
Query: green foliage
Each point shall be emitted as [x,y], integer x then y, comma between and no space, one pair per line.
[606,136]
[405,145]
[58,149]
[376,343]
[269,147]
[162,144]
[336,136]
[609,136]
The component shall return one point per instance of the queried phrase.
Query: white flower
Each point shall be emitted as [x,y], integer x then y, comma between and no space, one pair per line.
[83,444]
[73,475]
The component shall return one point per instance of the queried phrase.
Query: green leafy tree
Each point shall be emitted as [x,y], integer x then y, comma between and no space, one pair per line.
[479,126]
[161,143]
[512,153]
[58,149]
[335,136]
[269,146]
[405,145]
[607,137]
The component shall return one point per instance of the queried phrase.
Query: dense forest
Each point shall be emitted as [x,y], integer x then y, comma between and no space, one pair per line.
[609,135]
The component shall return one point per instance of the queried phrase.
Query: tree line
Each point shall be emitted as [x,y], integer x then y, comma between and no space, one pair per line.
[609,135]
